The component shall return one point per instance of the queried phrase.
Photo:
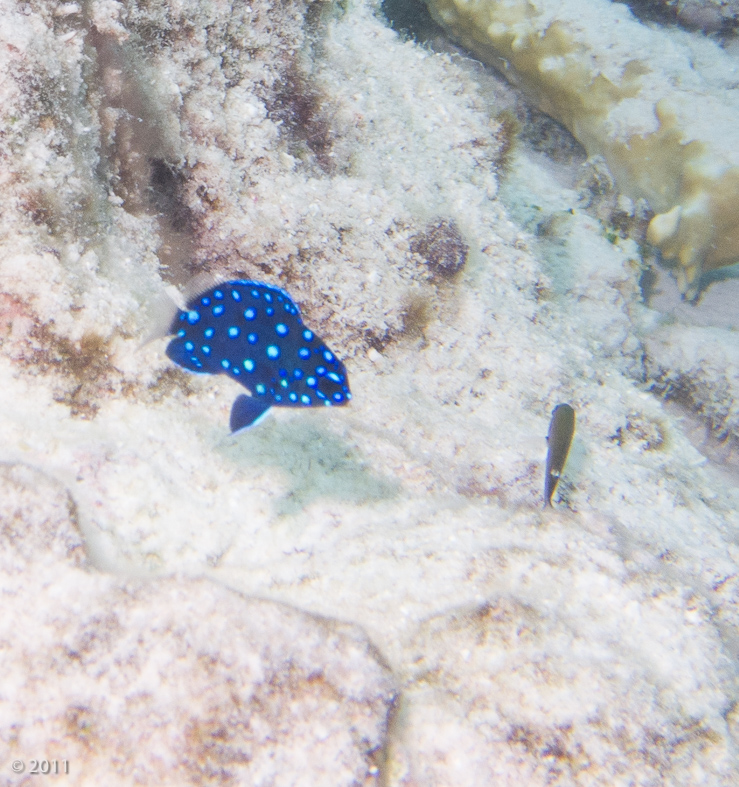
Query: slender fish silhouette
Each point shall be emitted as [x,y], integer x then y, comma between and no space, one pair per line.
[559,439]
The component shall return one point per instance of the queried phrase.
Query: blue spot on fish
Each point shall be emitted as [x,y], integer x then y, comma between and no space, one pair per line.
[288,374]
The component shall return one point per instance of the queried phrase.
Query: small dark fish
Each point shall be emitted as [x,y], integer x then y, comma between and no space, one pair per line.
[559,439]
[253,333]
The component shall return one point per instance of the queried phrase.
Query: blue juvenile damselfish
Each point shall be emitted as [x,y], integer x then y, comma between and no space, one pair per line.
[253,333]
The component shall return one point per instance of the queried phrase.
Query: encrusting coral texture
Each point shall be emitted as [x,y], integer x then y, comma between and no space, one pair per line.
[369,594]
[658,107]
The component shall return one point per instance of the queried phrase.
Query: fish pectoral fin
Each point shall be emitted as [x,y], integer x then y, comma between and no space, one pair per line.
[161,313]
[247,411]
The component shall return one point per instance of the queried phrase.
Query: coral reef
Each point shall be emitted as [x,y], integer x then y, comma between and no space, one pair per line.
[590,67]
[370,594]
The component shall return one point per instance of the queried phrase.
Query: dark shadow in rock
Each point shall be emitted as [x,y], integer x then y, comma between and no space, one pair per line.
[316,463]
[139,157]
[411,19]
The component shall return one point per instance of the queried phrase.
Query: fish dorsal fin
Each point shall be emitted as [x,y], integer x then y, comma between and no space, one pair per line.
[247,411]
[199,284]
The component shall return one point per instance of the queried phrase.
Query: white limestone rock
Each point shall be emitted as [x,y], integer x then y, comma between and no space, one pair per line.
[170,681]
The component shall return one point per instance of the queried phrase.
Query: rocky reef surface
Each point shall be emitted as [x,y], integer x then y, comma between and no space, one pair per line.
[365,595]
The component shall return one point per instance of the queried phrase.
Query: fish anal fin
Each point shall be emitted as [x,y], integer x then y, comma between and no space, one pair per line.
[247,411]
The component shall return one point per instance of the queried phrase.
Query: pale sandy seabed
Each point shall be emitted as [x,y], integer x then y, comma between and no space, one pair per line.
[370,594]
